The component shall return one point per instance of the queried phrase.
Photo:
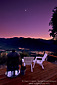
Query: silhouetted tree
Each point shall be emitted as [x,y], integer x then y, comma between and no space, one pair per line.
[53,23]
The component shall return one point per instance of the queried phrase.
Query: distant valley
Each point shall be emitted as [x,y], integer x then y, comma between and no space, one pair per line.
[28,43]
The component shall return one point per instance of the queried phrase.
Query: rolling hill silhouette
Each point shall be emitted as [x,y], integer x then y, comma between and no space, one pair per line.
[30,43]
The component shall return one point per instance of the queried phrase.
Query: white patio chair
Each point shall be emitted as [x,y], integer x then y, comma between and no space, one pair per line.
[40,62]
[28,61]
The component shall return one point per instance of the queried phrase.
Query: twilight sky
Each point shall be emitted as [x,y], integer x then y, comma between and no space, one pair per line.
[25,18]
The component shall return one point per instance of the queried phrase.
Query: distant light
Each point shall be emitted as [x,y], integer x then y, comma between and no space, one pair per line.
[25,10]
[21,48]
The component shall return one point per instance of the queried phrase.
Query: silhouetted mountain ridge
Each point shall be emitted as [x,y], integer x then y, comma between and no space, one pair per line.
[30,43]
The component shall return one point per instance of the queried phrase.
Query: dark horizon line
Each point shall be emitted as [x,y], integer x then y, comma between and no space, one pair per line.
[26,37]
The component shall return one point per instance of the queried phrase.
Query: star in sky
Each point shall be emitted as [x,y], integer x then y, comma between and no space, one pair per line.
[25,10]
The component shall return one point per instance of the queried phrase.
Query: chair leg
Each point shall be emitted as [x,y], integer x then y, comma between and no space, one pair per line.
[42,66]
[24,64]
[33,64]
[34,61]
[31,68]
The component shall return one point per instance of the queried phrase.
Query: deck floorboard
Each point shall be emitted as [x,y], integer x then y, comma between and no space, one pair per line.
[48,76]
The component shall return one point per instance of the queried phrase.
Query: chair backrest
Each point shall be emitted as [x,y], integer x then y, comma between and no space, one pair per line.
[28,60]
[44,57]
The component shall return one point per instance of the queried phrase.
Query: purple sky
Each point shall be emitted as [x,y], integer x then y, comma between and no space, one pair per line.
[25,18]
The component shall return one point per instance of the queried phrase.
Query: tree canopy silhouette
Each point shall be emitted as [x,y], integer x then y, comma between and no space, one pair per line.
[53,23]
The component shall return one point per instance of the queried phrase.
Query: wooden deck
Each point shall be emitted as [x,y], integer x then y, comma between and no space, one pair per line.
[48,76]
